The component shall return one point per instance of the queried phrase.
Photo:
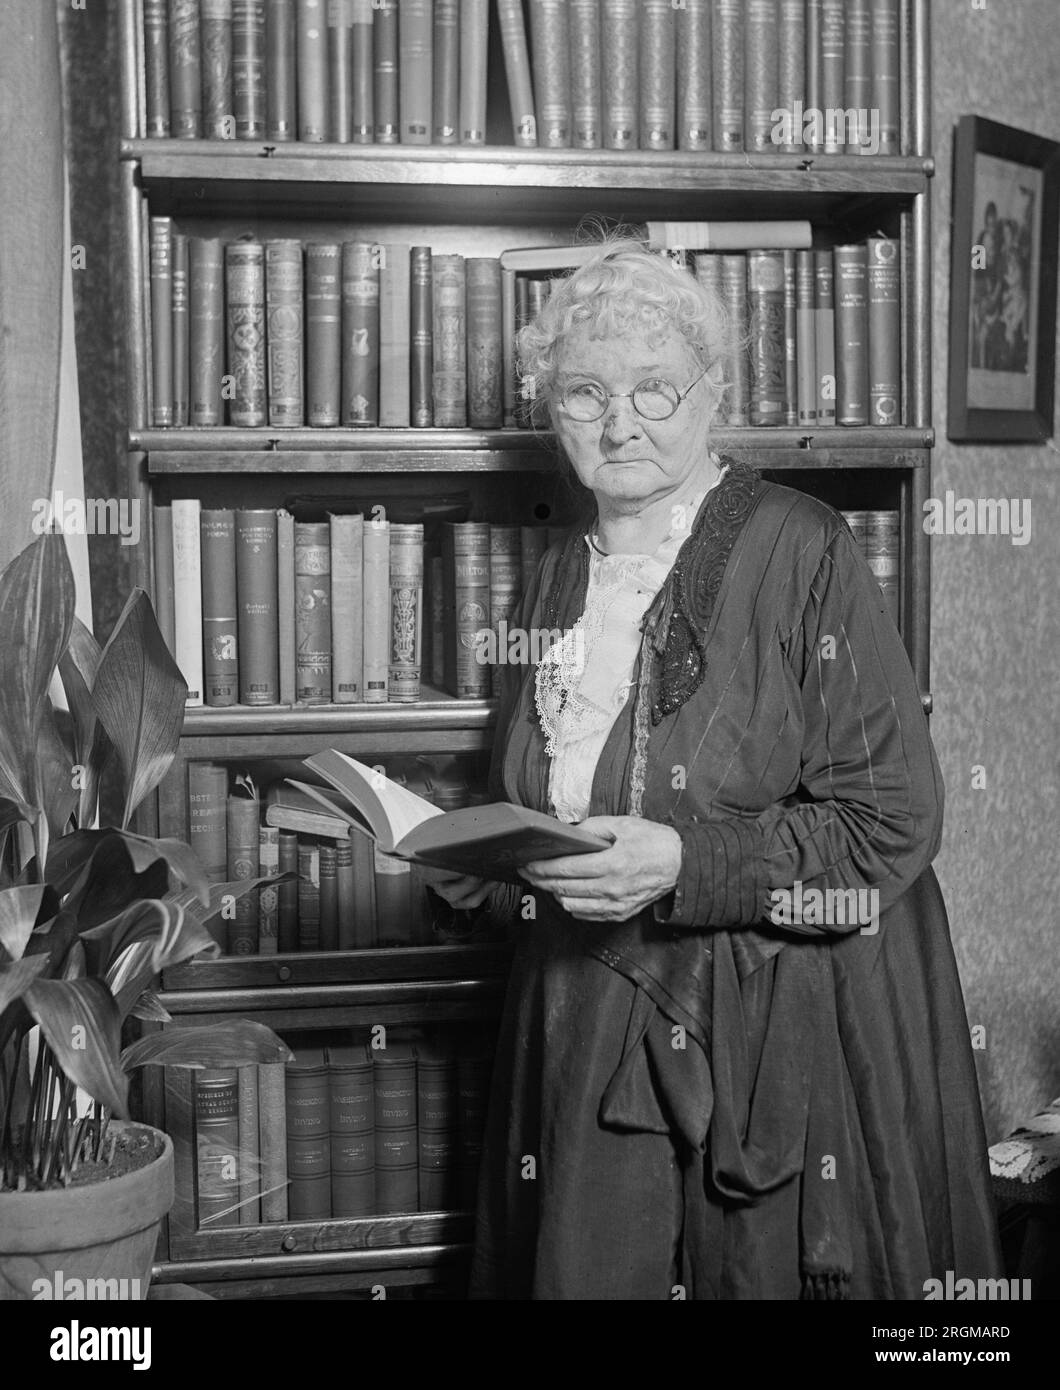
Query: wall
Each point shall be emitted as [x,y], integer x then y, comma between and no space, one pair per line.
[996,622]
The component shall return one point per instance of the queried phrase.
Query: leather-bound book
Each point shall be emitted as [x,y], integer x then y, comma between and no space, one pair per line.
[474,48]
[394,337]
[375,682]
[385,71]
[505,585]
[156,68]
[281,106]
[362,61]
[347,608]
[727,34]
[257,591]
[269,895]
[208,818]
[285,332]
[323,331]
[245,318]
[734,288]
[658,75]
[248,68]
[161,279]
[285,625]
[791,67]
[550,52]
[345,896]
[217,1166]
[179,309]
[765,298]
[312,612]
[450,341]
[415,71]
[287,927]
[272,1137]
[833,72]
[886,74]
[857,75]
[185,70]
[206,330]
[243,824]
[329,899]
[814,134]
[351,1092]
[791,360]
[484,350]
[249,1148]
[308,895]
[472,1083]
[406,612]
[311,43]
[218,109]
[761,75]
[517,70]
[421,335]
[585,88]
[308,1136]
[466,556]
[619,63]
[217,530]
[695,113]
[396,1157]
[436,1126]
[852,335]
[340,19]
[882,550]
[824,314]
[360,333]
[805,332]
[445,73]
[885,331]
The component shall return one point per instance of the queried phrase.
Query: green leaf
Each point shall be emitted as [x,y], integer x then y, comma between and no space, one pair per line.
[17,977]
[18,916]
[80,1023]
[139,697]
[78,666]
[238,1043]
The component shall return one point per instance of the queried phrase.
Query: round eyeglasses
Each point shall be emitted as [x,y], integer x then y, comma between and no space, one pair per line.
[654,398]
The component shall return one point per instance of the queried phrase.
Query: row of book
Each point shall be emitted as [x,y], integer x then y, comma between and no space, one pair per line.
[278,334]
[344,1130]
[260,609]
[345,893]
[615,74]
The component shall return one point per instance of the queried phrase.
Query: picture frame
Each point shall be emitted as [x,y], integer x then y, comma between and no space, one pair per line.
[1003,281]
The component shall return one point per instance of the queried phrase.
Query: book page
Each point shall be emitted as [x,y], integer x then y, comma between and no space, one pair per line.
[390,810]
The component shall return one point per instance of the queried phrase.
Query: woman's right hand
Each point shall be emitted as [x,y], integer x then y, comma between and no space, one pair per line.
[459,890]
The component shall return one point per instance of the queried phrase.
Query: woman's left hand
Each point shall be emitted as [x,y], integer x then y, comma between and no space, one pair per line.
[613,884]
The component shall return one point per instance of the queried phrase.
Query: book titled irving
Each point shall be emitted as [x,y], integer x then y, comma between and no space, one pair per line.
[488,840]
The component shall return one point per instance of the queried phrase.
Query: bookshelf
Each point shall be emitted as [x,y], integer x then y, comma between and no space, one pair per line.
[477,201]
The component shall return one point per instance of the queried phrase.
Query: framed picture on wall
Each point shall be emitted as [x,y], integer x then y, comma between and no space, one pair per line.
[1003,276]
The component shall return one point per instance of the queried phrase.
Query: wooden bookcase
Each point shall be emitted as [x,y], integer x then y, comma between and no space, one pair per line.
[476,201]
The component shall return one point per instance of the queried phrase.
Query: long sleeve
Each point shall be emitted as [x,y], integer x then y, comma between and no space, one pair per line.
[867,813]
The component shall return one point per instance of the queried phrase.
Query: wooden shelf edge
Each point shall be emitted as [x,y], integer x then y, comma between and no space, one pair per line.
[433,713]
[372,994]
[220,1269]
[477,959]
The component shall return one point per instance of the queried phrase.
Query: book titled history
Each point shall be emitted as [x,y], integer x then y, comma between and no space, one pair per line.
[474,49]
[308,1136]
[449,341]
[281,107]
[287,644]
[257,589]
[406,612]
[824,314]
[394,337]
[217,1166]
[396,1152]
[156,68]
[620,73]
[517,70]
[436,1126]
[376,552]
[385,71]
[162,564]
[311,44]
[550,52]
[185,70]
[421,335]
[269,894]
[806,344]
[249,1147]
[857,75]
[338,46]
[208,818]
[284,329]
[734,293]
[658,75]
[466,576]
[765,299]
[347,608]
[695,116]
[179,310]
[248,68]
[161,280]
[323,332]
[206,330]
[351,1107]
[886,74]
[187,594]
[727,74]
[485,407]
[791,67]
[312,612]
[761,75]
[851,335]
[833,73]
[243,820]
[218,109]
[415,80]
[884,313]
[360,333]
[362,119]
[492,839]
[272,1137]
[445,74]
[245,316]
[219,607]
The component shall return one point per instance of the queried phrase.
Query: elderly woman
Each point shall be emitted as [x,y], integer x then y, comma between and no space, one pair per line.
[699,1090]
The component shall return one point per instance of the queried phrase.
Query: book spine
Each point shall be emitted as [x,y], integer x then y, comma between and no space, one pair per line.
[517,71]
[179,310]
[245,300]
[695,116]
[187,594]
[345,895]
[505,580]
[450,341]
[323,331]
[284,332]
[484,353]
[312,611]
[415,75]
[281,108]
[244,817]
[206,331]
[249,1148]
[791,361]
[219,608]
[338,49]
[886,75]
[360,333]
[510,385]
[269,895]
[156,68]
[362,76]
[162,518]
[285,633]
[347,608]
[586,109]
[308,896]
[727,29]
[858,76]
[474,49]
[805,329]
[882,542]
[352,1111]
[329,899]
[833,74]
[851,335]
[619,58]
[185,70]
[765,296]
[471,594]
[161,277]
[436,1128]
[385,71]
[421,333]
[884,314]
[287,927]
[217,1146]
[472,1087]
[437,612]
[207,818]
[813,135]
[824,314]
[550,49]
[256,589]
[394,337]
[791,68]
[396,1156]
[376,611]
[218,112]
[364,932]
[406,612]
[761,82]
[445,76]
[658,75]
[308,1143]
[734,288]
[248,68]
[272,1132]
[312,50]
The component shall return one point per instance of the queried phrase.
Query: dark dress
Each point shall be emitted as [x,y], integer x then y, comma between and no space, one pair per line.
[717,1107]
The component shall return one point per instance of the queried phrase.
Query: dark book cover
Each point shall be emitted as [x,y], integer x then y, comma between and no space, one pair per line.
[437,1126]
[285,629]
[347,608]
[311,42]
[308,1136]
[385,71]
[484,353]
[532,548]
[824,314]
[805,332]
[415,71]
[586,104]
[339,37]
[761,75]
[765,298]
[851,335]
[185,70]
[727,33]
[208,818]
[734,291]
[550,52]
[517,71]
[814,72]
[218,108]
[466,559]
[179,311]
[161,281]
[217,529]
[474,48]
[287,925]
[351,1092]
[505,587]
[308,895]
[791,67]
[406,612]
[695,113]
[206,330]
[857,77]
[658,75]
[323,332]
[329,899]
[243,822]
[284,332]
[619,63]
[256,589]
[886,74]
[450,341]
[833,73]
[445,73]
[312,612]
[360,333]
[345,896]
[217,1164]
[396,1154]
[364,930]
[162,561]
[281,109]
[393,900]
[269,895]
[421,335]
[362,61]
[156,67]
[885,331]
[394,337]
[245,317]
[248,68]
[472,1083]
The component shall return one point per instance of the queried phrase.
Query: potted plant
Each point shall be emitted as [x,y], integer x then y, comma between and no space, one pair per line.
[88,917]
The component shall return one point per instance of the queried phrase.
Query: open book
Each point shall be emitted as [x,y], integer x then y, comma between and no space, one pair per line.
[489,841]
